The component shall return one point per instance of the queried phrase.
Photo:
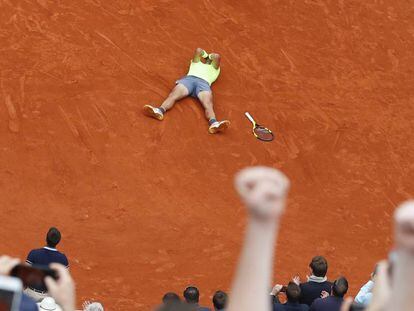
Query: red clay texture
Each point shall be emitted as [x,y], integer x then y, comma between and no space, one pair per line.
[147,207]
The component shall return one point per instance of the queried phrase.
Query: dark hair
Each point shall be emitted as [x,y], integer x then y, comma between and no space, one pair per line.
[53,237]
[191,294]
[220,300]
[293,292]
[170,297]
[340,287]
[319,266]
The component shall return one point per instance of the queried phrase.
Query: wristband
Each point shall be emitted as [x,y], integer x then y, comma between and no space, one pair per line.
[204,54]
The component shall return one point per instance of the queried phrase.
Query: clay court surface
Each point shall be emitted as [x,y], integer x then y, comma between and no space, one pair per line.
[147,207]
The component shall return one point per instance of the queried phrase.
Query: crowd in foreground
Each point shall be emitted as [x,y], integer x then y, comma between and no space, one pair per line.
[264,192]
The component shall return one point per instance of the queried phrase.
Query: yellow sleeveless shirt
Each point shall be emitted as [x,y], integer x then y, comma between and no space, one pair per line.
[204,71]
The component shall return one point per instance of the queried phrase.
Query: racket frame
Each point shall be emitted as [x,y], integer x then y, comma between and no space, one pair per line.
[256,125]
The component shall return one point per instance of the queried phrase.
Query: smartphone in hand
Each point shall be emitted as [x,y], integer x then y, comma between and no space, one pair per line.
[10,293]
[33,276]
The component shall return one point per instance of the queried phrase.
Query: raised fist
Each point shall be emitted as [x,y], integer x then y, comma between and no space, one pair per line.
[263,190]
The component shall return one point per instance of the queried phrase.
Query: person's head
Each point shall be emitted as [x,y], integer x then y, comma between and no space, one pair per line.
[340,287]
[319,266]
[191,294]
[220,300]
[293,292]
[53,237]
[170,297]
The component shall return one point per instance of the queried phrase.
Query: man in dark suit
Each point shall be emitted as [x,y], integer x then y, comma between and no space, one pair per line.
[317,281]
[192,296]
[335,300]
[293,295]
[43,257]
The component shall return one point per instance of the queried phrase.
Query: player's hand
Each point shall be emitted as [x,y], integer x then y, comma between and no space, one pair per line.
[7,264]
[263,190]
[62,289]
[204,54]
[404,226]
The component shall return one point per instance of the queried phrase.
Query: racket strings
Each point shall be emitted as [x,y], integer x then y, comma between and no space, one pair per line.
[263,133]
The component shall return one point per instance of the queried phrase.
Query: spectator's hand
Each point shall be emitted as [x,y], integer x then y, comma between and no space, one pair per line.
[324,294]
[346,305]
[381,292]
[85,304]
[7,264]
[263,190]
[296,280]
[62,289]
[276,290]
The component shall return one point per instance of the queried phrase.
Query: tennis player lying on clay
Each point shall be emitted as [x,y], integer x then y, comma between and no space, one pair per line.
[204,70]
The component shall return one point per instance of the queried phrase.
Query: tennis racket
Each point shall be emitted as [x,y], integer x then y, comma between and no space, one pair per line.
[259,131]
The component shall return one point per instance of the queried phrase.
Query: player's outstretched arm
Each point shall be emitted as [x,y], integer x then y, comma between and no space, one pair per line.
[263,190]
[199,52]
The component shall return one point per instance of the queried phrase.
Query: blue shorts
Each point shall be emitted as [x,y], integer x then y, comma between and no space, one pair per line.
[194,85]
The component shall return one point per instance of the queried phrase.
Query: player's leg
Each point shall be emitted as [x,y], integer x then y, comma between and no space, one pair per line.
[206,99]
[179,92]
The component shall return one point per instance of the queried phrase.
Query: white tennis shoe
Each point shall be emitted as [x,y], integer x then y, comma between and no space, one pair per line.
[153,112]
[218,126]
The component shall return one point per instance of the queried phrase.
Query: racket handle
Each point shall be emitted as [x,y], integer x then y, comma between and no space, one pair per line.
[249,117]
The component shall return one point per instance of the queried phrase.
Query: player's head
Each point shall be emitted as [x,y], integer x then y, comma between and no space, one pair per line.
[340,287]
[319,266]
[220,300]
[170,298]
[293,292]
[191,294]
[53,237]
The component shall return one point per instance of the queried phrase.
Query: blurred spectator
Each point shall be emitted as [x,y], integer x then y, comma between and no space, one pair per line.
[48,304]
[292,294]
[335,300]
[92,306]
[177,306]
[220,301]
[317,281]
[364,295]
[192,296]
[45,256]
[6,265]
[167,299]
[170,297]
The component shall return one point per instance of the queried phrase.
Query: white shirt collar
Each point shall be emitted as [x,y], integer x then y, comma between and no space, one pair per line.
[50,248]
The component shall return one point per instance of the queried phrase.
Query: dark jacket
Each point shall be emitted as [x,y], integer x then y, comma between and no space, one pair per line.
[290,306]
[330,303]
[312,290]
[197,307]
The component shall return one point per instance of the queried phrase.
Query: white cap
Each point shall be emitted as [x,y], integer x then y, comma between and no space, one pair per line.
[49,304]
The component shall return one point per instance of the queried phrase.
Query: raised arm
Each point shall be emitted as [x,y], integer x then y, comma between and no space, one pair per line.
[263,190]
[199,52]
